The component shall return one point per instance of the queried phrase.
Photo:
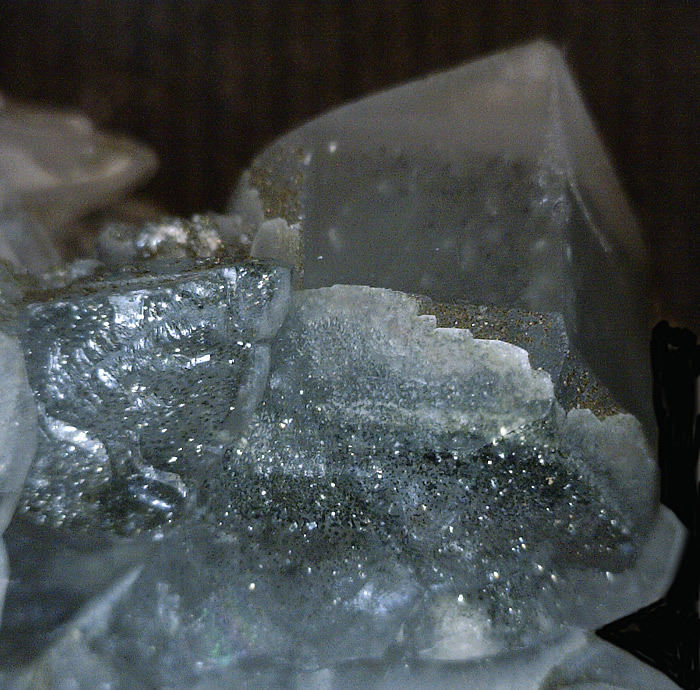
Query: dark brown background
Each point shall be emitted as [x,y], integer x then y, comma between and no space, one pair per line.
[208,83]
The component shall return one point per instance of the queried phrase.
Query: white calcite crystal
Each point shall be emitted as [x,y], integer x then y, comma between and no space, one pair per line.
[56,166]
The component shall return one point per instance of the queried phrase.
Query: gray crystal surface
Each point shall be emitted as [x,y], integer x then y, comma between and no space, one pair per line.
[438,229]
[140,378]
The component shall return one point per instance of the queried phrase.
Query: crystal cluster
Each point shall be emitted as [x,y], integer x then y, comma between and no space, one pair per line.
[235,483]
[388,484]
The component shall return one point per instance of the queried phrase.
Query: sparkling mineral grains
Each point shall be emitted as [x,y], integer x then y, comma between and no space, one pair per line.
[353,481]
[394,471]
[140,379]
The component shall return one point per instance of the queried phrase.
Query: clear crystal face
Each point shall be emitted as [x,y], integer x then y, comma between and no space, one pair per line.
[140,380]
[439,227]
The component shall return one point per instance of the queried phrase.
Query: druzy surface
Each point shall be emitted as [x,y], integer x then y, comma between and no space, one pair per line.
[139,379]
[393,486]
[392,465]
[398,486]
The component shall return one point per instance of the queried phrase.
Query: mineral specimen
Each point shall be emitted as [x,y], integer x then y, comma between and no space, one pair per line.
[18,425]
[347,486]
[393,466]
[487,183]
[169,238]
[23,241]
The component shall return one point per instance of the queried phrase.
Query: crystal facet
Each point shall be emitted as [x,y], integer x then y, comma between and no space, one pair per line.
[140,378]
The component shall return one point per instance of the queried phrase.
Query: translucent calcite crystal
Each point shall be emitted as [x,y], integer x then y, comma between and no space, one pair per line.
[398,487]
[487,183]
[56,166]
[23,240]
[18,426]
[139,378]
[61,165]
[393,467]
[56,577]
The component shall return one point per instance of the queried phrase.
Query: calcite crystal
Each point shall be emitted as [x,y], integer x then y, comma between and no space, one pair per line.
[487,183]
[18,426]
[139,378]
[393,466]
[59,166]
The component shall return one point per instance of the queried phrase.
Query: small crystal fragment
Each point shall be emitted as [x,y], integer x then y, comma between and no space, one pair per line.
[167,238]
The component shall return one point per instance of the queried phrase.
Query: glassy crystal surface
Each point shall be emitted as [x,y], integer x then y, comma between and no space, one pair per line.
[18,425]
[395,468]
[400,486]
[55,576]
[140,378]
[486,183]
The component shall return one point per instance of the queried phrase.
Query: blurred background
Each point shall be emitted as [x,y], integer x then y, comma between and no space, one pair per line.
[208,83]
